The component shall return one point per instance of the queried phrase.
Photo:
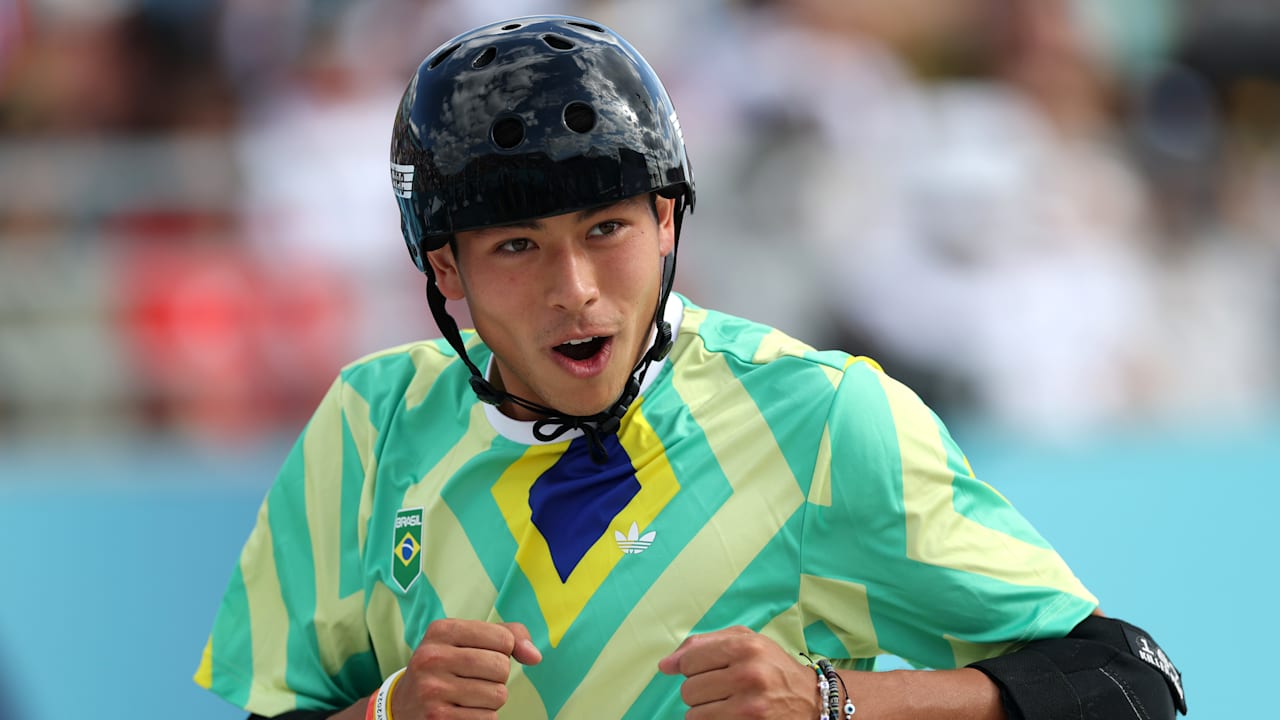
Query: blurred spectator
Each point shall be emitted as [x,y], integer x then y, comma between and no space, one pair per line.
[1207,128]
[133,70]
[313,150]
[316,138]
[1051,213]
[14,32]
[961,203]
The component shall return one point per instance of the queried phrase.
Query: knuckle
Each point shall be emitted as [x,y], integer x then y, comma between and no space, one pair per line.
[441,625]
[446,630]
[754,707]
[753,677]
[496,666]
[433,689]
[426,658]
[754,644]
[509,640]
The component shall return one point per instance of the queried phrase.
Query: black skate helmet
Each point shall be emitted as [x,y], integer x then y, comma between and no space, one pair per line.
[529,118]
[525,119]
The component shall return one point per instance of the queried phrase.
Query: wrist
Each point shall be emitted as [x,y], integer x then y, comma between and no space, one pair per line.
[835,702]
[379,707]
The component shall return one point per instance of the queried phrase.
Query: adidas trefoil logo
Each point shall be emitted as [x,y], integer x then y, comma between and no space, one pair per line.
[633,543]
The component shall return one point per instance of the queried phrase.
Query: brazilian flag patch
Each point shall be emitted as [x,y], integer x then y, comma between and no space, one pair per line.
[406,561]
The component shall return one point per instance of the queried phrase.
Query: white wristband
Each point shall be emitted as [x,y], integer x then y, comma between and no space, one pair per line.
[382,703]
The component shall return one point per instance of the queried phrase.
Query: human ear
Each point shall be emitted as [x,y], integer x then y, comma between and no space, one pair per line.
[445,266]
[665,208]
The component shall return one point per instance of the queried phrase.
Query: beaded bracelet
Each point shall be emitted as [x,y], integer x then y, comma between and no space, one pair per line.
[379,707]
[823,687]
[833,688]
[829,686]
[837,683]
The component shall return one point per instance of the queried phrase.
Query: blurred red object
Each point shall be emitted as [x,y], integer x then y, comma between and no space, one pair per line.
[14,30]
[225,344]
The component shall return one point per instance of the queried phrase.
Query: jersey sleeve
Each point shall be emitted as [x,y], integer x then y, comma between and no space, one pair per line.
[906,552]
[290,632]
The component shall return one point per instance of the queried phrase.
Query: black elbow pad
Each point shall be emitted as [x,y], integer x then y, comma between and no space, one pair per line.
[1104,669]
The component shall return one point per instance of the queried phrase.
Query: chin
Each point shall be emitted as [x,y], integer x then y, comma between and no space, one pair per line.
[589,409]
[585,405]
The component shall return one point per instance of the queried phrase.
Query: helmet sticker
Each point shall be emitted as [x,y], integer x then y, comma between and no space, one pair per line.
[402,180]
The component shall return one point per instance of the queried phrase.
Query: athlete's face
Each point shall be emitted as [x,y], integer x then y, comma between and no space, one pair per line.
[566,303]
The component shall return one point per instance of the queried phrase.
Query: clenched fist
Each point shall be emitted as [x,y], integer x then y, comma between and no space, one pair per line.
[460,670]
[739,673]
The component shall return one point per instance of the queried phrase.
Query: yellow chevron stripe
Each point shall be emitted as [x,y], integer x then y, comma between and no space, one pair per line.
[776,344]
[427,362]
[843,606]
[967,652]
[339,622]
[269,695]
[713,558]
[447,553]
[365,436]
[523,700]
[387,635]
[204,673]
[787,629]
[953,540]
[562,602]
[820,486]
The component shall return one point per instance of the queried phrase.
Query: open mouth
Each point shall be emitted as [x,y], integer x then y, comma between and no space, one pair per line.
[583,349]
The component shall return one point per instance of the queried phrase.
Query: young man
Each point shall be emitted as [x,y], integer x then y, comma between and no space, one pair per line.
[608,502]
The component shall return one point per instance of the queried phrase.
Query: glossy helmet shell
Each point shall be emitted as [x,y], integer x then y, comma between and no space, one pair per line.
[529,118]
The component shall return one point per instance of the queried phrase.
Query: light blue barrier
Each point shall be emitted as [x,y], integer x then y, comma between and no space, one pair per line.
[114,559]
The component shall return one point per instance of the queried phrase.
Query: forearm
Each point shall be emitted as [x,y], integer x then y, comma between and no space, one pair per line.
[964,694]
[355,712]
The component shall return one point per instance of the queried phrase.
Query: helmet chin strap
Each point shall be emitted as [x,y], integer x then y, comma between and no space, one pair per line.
[554,423]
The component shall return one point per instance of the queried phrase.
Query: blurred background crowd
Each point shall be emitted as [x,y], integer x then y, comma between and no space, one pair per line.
[1055,219]
[1054,215]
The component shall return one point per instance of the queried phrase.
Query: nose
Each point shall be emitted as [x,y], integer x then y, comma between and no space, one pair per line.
[573,282]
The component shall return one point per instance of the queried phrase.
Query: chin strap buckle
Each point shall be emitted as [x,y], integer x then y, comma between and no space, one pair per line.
[662,343]
[486,392]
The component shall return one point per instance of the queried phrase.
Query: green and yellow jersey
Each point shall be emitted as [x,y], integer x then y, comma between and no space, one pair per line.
[755,482]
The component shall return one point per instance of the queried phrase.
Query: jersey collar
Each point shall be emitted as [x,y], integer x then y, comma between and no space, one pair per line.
[521,431]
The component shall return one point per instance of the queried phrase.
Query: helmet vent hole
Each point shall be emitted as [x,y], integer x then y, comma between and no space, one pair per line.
[512,26]
[440,57]
[588,26]
[485,58]
[557,42]
[507,133]
[579,117]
